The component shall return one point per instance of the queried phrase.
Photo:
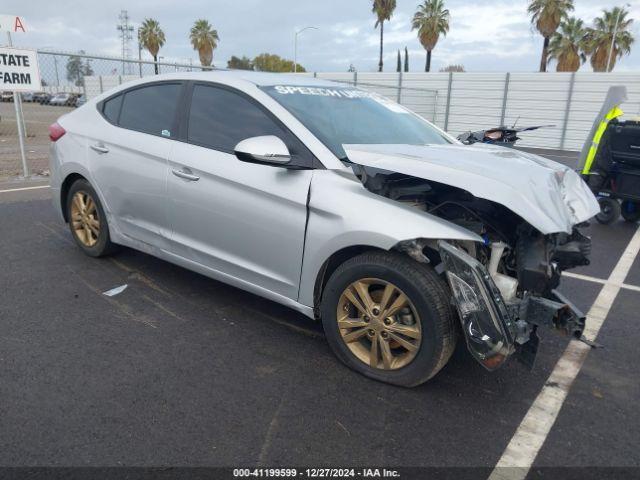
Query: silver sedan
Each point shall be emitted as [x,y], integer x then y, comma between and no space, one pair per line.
[334,201]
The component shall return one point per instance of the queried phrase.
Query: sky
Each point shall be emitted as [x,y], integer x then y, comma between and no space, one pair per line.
[484,36]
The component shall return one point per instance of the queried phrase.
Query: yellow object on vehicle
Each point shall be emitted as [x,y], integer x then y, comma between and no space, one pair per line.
[615,112]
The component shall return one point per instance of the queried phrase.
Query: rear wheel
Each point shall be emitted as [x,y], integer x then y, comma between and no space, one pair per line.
[87,220]
[609,211]
[389,318]
[630,211]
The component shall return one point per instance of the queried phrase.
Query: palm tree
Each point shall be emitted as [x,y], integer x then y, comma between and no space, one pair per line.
[599,38]
[431,20]
[383,10]
[204,39]
[152,38]
[547,15]
[568,45]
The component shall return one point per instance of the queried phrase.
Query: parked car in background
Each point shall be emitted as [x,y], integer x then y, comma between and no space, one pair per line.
[61,99]
[80,100]
[336,202]
[73,99]
[42,98]
[38,96]
[6,96]
[27,97]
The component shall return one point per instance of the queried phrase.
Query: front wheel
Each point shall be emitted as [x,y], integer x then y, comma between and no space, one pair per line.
[389,318]
[609,210]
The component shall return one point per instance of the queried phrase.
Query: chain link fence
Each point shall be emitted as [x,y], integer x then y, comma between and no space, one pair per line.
[68,79]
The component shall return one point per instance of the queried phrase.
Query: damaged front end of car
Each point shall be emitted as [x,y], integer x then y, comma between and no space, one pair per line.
[499,315]
[505,286]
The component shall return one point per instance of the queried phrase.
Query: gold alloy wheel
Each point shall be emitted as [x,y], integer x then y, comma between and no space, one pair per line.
[379,324]
[85,219]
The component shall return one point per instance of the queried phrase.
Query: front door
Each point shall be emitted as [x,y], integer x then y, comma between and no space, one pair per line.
[244,220]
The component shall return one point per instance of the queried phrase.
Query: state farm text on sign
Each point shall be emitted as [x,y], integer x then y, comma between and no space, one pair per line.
[19,70]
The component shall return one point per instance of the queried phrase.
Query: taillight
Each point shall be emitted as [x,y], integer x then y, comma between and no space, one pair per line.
[56,132]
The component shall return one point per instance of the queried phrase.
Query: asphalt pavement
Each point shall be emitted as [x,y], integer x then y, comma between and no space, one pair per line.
[182,370]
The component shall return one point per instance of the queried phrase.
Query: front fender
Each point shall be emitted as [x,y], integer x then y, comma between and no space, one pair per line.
[343,213]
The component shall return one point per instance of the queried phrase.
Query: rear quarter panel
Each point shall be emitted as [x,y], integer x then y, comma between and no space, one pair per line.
[69,154]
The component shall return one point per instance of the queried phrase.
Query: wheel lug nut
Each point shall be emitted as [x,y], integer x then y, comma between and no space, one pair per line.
[385,335]
[366,319]
[387,321]
[371,333]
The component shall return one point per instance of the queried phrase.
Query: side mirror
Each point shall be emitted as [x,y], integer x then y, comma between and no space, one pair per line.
[268,150]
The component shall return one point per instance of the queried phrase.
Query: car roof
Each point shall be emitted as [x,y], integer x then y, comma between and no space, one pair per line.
[246,76]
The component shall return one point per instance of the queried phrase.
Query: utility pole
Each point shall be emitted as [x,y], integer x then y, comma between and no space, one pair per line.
[55,63]
[139,53]
[126,34]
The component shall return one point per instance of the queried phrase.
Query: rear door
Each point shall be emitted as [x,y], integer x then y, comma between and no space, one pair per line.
[129,159]
[244,220]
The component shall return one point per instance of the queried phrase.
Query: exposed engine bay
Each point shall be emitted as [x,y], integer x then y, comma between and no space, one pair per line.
[505,286]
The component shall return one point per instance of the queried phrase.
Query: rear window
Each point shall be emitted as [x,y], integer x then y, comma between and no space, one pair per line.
[151,109]
[111,109]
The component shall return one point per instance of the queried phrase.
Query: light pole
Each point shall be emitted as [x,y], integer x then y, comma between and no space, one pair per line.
[613,38]
[295,47]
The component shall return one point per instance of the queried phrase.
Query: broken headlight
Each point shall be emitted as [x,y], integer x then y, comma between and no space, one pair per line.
[485,320]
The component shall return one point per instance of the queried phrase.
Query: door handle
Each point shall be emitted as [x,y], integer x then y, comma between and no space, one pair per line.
[186,175]
[98,147]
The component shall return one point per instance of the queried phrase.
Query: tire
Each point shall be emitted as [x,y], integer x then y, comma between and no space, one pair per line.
[84,226]
[630,211]
[609,211]
[428,307]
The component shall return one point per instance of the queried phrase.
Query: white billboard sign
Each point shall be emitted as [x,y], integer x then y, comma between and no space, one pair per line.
[19,70]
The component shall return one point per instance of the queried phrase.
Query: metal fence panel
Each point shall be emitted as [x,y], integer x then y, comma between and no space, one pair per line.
[538,100]
[476,101]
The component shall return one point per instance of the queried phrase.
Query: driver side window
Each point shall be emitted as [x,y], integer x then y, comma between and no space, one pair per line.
[220,118]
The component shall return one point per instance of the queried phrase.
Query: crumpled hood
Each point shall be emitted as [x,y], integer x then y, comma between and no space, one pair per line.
[551,197]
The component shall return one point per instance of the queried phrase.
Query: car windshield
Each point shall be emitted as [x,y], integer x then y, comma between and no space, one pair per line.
[345,115]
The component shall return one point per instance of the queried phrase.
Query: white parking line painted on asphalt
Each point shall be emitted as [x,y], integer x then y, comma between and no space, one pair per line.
[635,288]
[602,281]
[586,278]
[524,446]
[23,189]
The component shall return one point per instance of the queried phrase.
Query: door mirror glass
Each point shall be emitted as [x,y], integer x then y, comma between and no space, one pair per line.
[269,150]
